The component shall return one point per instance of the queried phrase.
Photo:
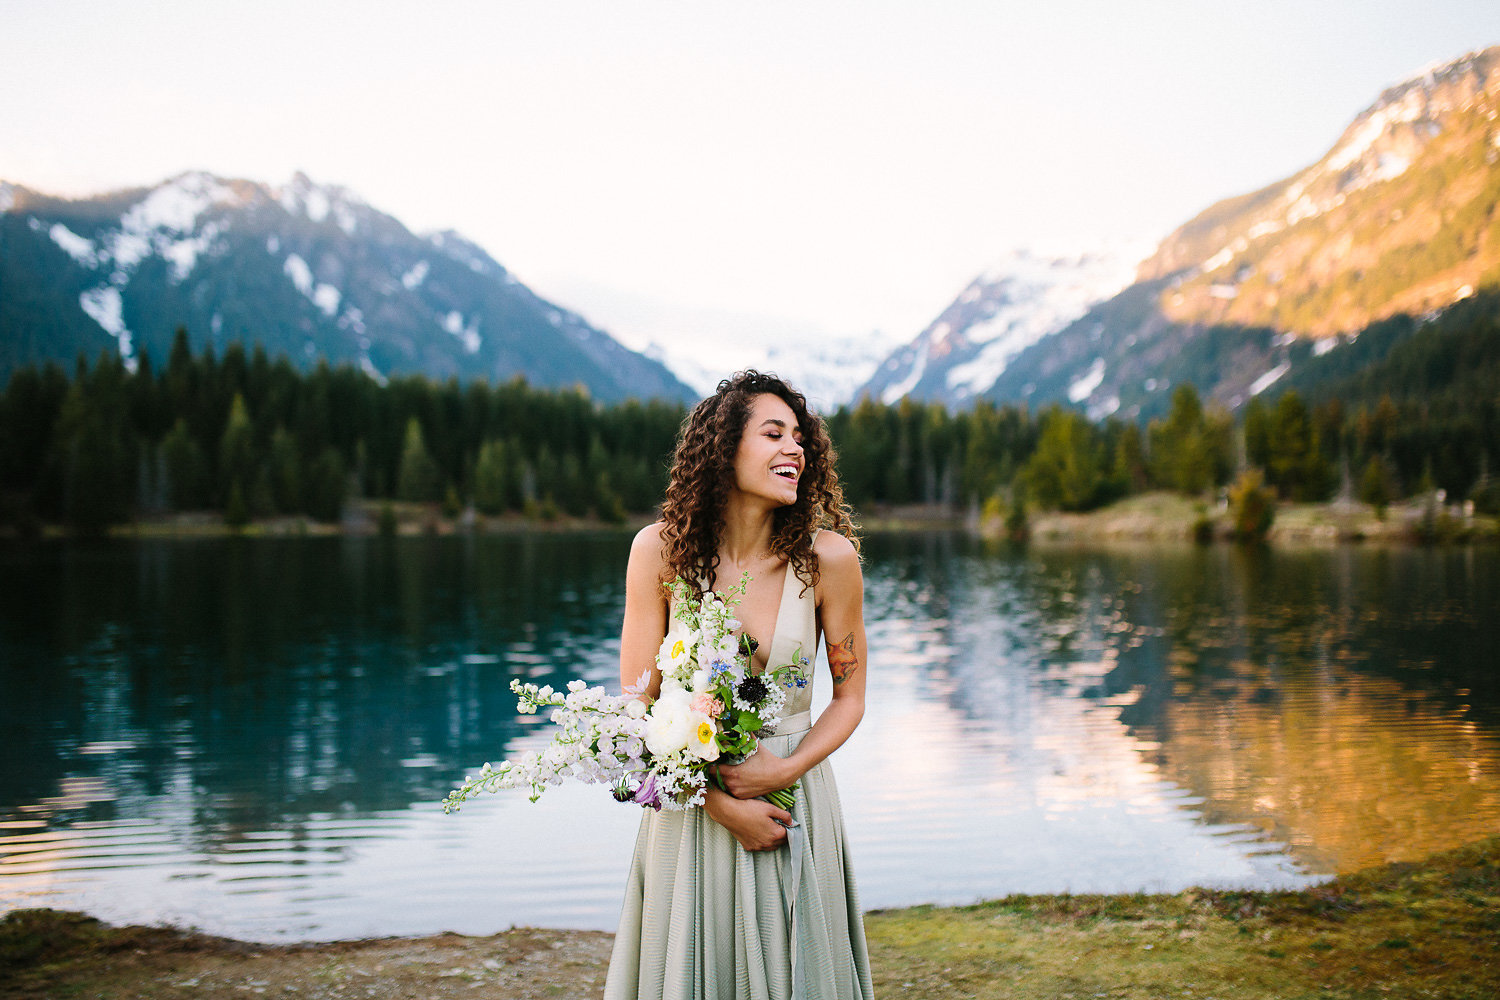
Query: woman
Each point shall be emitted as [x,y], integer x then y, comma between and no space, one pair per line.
[740,900]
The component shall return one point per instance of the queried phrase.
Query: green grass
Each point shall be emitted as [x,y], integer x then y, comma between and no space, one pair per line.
[1412,930]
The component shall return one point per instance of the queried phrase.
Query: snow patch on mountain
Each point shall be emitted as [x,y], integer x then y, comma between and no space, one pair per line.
[468,332]
[321,294]
[1082,388]
[296,268]
[105,307]
[74,246]
[413,278]
[1025,296]
[1270,378]
[176,205]
[894,393]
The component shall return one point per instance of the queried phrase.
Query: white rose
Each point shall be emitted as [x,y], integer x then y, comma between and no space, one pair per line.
[669,727]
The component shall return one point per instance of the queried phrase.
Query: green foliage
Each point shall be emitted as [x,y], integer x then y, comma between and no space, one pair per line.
[1295,462]
[96,457]
[327,481]
[90,447]
[1066,472]
[179,438]
[1375,485]
[492,493]
[1191,449]
[238,461]
[419,476]
[1252,506]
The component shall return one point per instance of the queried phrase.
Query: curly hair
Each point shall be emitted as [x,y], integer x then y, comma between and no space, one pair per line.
[703,472]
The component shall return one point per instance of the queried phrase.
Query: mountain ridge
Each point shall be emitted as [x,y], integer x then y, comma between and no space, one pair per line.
[1398,217]
[307,270]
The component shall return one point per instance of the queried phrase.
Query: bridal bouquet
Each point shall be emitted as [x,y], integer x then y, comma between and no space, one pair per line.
[711,707]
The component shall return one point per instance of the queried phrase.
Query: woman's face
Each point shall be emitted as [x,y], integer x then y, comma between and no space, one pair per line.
[769,460]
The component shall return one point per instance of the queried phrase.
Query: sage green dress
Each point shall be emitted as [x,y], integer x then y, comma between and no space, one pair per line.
[705,919]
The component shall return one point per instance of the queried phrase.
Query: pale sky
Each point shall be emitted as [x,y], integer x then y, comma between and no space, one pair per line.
[834,166]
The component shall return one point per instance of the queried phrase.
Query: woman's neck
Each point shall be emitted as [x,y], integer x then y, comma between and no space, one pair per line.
[746,537]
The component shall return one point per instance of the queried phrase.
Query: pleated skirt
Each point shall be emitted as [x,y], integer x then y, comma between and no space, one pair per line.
[704,919]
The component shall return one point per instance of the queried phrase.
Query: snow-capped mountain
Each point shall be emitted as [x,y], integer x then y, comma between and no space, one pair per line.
[826,368]
[1023,298]
[306,270]
[1267,288]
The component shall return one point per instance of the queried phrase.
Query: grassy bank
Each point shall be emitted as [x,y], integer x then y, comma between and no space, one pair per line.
[1164,516]
[1409,930]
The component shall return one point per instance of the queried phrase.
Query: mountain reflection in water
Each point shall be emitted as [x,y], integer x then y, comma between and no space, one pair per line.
[251,736]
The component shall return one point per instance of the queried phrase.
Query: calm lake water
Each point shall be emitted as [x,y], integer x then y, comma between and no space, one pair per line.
[252,736]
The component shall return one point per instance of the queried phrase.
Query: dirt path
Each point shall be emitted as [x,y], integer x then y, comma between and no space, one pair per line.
[70,955]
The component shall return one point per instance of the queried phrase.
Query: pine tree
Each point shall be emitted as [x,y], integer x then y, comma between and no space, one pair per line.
[491,479]
[418,479]
[237,460]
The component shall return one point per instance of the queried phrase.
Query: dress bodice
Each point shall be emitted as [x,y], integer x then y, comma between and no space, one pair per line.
[795,635]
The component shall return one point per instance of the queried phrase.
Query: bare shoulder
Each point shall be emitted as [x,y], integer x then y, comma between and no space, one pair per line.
[647,541]
[838,560]
[648,561]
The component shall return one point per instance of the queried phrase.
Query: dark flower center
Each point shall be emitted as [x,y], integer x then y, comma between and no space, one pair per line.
[752,690]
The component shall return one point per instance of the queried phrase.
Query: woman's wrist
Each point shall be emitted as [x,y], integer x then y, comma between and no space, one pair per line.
[791,769]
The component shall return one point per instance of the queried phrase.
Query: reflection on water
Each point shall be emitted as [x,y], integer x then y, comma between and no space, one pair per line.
[251,736]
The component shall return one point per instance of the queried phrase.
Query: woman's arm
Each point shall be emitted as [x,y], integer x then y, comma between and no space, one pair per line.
[757,825]
[842,609]
[645,611]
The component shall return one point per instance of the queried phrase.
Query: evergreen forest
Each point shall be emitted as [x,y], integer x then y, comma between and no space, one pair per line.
[248,436]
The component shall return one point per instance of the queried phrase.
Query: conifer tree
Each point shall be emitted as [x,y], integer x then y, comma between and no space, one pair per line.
[237,460]
[418,478]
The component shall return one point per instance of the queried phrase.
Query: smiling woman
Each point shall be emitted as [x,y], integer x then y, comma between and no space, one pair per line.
[744,897]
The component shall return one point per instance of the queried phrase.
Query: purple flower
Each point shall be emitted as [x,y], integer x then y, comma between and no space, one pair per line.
[647,795]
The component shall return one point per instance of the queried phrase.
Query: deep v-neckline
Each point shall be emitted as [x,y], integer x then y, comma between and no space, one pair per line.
[756,668]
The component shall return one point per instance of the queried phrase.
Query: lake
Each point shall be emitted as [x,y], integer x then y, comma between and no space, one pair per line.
[251,736]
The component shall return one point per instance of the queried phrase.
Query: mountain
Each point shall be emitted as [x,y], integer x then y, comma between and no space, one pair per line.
[1401,216]
[305,270]
[1022,299]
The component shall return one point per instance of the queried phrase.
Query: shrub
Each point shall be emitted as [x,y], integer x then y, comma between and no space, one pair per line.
[1252,506]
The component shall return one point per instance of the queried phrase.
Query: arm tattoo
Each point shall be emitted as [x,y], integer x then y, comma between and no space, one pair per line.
[841,660]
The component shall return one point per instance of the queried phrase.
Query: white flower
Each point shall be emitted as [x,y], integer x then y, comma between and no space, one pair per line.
[675,658]
[669,728]
[720,648]
[635,708]
[701,741]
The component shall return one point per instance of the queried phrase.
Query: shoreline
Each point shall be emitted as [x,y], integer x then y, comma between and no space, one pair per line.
[1156,516]
[1429,928]
[1169,517]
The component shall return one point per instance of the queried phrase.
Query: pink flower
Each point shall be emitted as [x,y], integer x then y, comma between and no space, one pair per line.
[708,705]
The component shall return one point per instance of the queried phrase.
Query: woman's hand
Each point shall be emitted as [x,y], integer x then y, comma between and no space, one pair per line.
[760,773]
[755,823]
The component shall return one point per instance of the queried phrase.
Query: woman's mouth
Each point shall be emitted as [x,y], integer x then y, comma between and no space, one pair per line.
[787,471]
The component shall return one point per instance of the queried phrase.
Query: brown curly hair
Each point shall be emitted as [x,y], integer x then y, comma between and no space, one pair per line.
[703,471]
